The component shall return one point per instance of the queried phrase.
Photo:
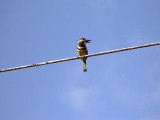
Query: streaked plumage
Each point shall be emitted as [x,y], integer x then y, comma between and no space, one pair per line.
[82,51]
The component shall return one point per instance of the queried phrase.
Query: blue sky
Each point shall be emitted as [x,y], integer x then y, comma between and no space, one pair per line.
[120,86]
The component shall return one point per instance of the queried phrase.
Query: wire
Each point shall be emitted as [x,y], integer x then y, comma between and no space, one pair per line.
[73,58]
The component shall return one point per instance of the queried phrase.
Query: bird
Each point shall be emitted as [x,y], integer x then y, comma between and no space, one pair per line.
[82,51]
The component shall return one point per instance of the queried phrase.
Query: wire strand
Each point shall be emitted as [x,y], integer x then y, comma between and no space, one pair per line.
[73,58]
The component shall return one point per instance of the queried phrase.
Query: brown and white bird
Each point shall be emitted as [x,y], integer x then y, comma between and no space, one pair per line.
[82,51]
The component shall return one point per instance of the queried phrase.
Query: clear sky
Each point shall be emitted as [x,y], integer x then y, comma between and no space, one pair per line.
[119,86]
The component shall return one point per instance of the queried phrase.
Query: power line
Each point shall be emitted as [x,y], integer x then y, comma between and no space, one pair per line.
[73,58]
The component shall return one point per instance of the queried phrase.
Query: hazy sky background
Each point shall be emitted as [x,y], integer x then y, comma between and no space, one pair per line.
[119,86]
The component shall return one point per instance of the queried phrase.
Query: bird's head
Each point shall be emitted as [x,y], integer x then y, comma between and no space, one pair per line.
[83,41]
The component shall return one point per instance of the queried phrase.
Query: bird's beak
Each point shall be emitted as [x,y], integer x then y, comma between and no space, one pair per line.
[88,41]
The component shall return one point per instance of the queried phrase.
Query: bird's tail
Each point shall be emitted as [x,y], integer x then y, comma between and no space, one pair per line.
[84,65]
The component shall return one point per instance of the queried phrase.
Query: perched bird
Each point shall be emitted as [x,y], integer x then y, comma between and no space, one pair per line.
[82,51]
